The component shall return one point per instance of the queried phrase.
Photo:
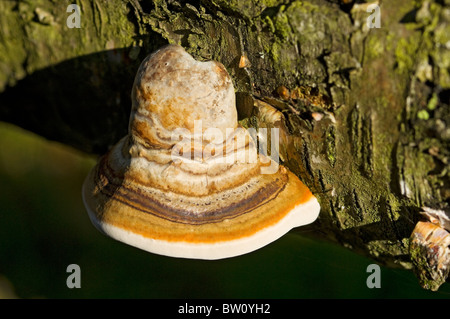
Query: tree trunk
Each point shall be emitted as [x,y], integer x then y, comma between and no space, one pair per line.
[365,107]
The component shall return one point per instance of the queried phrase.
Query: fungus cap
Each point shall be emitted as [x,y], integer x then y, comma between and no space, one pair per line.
[187,181]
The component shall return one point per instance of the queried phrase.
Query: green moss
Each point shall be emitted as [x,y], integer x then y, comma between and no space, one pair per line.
[394,207]
[12,46]
[305,7]
[245,123]
[268,3]
[405,54]
[422,268]
[374,47]
[423,115]
[282,27]
[385,247]
[275,52]
[253,122]
[433,102]
[279,26]
[269,23]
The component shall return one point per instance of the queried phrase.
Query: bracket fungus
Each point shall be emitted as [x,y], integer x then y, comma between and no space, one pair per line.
[187,181]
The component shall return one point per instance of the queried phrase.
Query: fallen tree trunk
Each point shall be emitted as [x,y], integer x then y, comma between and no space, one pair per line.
[363,91]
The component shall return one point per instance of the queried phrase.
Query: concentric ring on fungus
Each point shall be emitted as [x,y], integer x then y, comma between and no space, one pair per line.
[172,189]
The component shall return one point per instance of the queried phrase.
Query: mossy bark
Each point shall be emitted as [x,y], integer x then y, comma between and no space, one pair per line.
[366,113]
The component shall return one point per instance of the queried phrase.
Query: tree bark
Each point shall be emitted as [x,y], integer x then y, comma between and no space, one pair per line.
[365,111]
